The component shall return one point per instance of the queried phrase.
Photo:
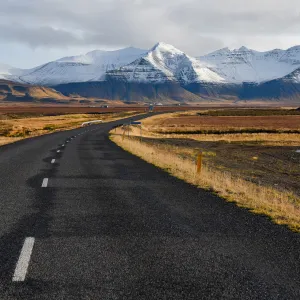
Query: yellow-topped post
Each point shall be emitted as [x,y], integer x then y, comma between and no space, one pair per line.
[199,162]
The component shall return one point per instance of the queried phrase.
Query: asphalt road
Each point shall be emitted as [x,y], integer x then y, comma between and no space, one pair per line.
[107,225]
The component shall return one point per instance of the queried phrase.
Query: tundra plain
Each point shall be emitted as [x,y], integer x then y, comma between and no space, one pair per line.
[250,157]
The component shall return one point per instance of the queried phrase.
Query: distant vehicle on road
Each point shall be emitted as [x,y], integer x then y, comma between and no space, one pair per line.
[151,107]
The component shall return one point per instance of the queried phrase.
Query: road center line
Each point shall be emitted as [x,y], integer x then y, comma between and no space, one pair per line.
[45,182]
[23,262]
[53,161]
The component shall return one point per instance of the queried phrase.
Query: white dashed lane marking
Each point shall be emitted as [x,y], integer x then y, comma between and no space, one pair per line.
[52,161]
[58,151]
[45,182]
[24,259]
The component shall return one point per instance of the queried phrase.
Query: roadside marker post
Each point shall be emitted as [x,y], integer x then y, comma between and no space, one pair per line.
[124,133]
[126,127]
[199,162]
[140,125]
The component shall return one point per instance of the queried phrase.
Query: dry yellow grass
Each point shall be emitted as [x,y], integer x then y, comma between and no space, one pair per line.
[262,129]
[277,163]
[276,139]
[282,206]
[8,140]
[41,92]
[268,139]
[22,90]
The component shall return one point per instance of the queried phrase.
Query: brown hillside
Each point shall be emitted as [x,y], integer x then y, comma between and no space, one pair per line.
[11,91]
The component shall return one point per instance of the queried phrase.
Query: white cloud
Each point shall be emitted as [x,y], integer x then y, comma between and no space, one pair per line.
[194,26]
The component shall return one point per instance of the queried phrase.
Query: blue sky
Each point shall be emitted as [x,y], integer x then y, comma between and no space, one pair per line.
[33,32]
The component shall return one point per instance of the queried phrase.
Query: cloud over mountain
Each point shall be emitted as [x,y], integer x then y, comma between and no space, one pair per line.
[192,25]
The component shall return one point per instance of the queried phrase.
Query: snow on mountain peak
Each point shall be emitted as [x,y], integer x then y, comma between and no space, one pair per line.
[163,47]
[246,65]
[164,63]
[116,53]
[89,67]
[100,56]
[294,48]
[165,57]
[243,48]
[222,52]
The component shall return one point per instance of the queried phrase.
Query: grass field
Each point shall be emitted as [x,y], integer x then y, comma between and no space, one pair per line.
[258,171]
[206,124]
[251,112]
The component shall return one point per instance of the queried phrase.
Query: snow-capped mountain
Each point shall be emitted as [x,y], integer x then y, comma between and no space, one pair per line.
[166,72]
[162,63]
[89,67]
[165,63]
[246,65]
[293,77]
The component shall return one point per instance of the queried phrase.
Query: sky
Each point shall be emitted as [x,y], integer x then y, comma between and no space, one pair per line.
[33,32]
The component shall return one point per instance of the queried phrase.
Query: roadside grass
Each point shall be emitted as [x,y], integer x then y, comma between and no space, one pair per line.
[239,112]
[14,127]
[258,170]
[225,112]
[270,139]
[282,206]
[226,122]
[223,132]
[8,140]
[50,127]
[282,129]
[250,112]
[262,138]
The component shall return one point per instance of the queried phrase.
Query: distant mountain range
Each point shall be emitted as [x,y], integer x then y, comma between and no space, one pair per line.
[164,72]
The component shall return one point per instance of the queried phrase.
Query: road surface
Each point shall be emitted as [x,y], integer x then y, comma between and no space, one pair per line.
[82,219]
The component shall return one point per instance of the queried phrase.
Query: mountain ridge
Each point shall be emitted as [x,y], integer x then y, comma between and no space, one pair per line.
[164,63]
[247,65]
[224,65]
[238,74]
[89,67]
